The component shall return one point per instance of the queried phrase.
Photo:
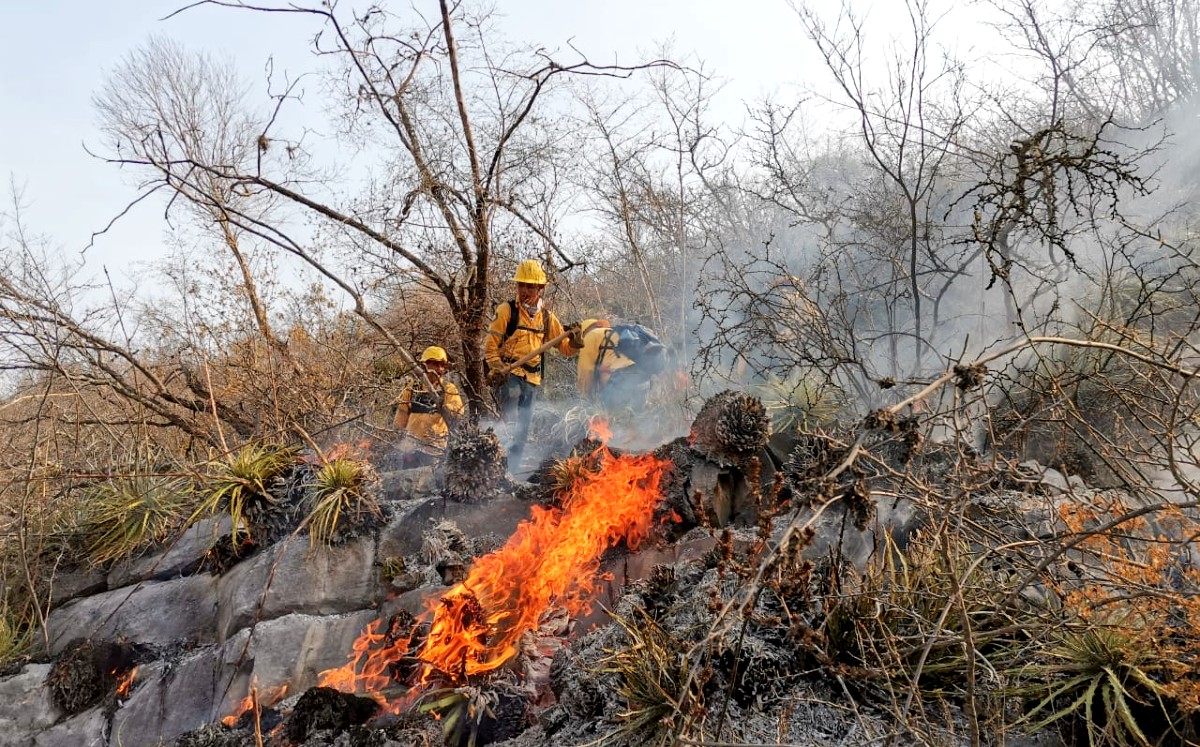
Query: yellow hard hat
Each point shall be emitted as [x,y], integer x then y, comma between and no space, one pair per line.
[434,353]
[530,271]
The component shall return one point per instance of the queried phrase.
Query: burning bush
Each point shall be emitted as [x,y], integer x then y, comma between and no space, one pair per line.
[550,564]
[559,476]
[87,672]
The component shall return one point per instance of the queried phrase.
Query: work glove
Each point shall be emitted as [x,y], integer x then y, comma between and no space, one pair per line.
[574,335]
[496,376]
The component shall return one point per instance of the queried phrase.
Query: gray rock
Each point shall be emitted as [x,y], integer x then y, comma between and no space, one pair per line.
[182,557]
[88,729]
[12,735]
[293,577]
[25,704]
[724,493]
[293,649]
[173,698]
[153,612]
[405,484]
[77,583]
[1047,476]
[402,536]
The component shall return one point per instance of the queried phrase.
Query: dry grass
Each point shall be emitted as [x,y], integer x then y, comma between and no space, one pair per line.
[652,674]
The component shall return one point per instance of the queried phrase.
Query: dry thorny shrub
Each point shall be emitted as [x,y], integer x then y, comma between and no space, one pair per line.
[75,432]
[1018,603]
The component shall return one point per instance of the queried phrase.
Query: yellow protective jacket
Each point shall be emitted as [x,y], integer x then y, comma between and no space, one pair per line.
[529,335]
[598,360]
[420,418]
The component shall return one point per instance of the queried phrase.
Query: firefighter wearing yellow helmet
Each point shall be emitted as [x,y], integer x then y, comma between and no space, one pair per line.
[521,326]
[617,363]
[422,412]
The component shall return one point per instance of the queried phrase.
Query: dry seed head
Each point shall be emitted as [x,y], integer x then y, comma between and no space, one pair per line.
[730,427]
[474,465]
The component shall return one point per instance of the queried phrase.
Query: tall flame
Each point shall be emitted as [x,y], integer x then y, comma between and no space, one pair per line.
[552,560]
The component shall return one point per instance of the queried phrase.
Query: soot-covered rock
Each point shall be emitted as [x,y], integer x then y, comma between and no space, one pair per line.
[225,554]
[675,485]
[323,708]
[474,465]
[507,717]
[577,690]
[268,719]
[215,735]
[86,672]
[731,427]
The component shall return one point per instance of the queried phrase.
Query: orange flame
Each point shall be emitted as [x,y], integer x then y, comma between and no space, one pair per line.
[125,682]
[370,665]
[359,450]
[599,429]
[552,560]
[256,699]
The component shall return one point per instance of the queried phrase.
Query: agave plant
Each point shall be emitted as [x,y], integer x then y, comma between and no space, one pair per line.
[473,715]
[339,494]
[131,512]
[566,473]
[651,673]
[238,484]
[800,400]
[873,617]
[1097,678]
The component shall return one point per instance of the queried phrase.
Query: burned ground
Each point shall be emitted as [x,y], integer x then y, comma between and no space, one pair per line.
[776,605]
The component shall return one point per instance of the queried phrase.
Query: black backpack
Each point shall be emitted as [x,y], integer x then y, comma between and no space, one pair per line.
[638,344]
[514,317]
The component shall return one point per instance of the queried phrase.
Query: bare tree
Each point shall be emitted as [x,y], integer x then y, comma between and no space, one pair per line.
[907,128]
[453,117]
[1132,60]
[666,169]
[53,333]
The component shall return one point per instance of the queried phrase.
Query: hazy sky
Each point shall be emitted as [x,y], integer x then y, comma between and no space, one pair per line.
[55,54]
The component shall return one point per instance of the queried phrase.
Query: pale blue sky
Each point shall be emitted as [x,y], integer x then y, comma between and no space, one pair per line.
[55,54]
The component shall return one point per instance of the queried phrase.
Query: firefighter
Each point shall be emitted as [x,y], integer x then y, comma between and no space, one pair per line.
[422,413]
[519,327]
[617,362]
